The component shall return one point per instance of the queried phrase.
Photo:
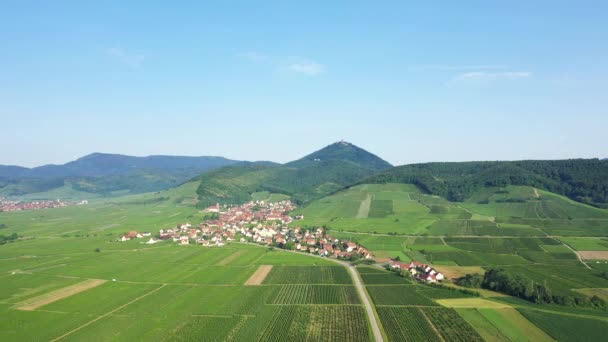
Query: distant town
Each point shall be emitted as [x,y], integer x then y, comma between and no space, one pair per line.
[14,205]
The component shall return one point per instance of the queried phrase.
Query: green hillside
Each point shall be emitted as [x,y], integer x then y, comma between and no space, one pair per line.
[306,179]
[403,209]
[583,180]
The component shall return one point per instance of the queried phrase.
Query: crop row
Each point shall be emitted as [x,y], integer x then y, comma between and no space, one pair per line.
[316,294]
[308,275]
[450,325]
[381,208]
[323,323]
[499,245]
[398,295]
[406,324]
[383,278]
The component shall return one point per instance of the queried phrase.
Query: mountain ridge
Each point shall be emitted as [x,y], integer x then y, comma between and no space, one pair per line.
[100,164]
[312,176]
[105,174]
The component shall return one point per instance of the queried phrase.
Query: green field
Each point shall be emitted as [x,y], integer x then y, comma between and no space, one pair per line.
[568,328]
[204,298]
[308,275]
[586,244]
[502,325]
[170,292]
[162,291]
[398,295]
[402,209]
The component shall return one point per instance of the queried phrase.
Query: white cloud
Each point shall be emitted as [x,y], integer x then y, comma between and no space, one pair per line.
[306,67]
[125,57]
[253,56]
[460,67]
[481,75]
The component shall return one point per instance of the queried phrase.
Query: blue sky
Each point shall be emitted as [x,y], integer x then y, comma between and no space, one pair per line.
[274,80]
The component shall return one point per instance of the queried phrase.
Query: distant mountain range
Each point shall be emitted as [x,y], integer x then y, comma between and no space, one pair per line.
[104,174]
[102,164]
[335,167]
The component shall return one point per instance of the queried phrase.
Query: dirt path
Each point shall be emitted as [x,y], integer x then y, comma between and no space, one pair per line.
[363,211]
[259,275]
[230,258]
[431,325]
[51,297]
[106,314]
[577,255]
[536,194]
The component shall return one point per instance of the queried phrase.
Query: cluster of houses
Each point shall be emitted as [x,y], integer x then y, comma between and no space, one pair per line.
[422,272]
[135,235]
[11,205]
[257,222]
[318,242]
[206,234]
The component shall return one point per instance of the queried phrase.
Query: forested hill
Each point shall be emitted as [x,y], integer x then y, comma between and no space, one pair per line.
[346,152]
[583,180]
[104,164]
[103,174]
[311,177]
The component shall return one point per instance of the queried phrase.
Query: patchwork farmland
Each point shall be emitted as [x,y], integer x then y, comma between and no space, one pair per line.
[71,280]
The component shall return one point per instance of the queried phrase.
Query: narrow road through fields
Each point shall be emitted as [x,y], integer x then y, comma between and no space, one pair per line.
[369,309]
[368,306]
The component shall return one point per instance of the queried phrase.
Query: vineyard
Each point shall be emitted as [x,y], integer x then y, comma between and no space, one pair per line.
[198,328]
[406,324]
[450,325]
[436,292]
[398,295]
[568,328]
[321,323]
[316,294]
[500,245]
[308,275]
[384,278]
[381,208]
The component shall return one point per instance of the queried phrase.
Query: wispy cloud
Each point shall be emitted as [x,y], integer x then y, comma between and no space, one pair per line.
[125,57]
[480,75]
[306,67]
[253,56]
[445,67]
[291,64]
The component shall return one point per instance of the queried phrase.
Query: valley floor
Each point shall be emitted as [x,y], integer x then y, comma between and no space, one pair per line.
[69,279]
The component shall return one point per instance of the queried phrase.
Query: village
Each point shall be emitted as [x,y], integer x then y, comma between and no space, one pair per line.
[421,272]
[256,222]
[268,224]
[16,205]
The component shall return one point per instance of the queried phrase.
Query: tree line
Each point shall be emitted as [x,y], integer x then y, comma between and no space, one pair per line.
[518,285]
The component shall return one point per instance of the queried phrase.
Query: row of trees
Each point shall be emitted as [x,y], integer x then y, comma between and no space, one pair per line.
[518,285]
[8,238]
